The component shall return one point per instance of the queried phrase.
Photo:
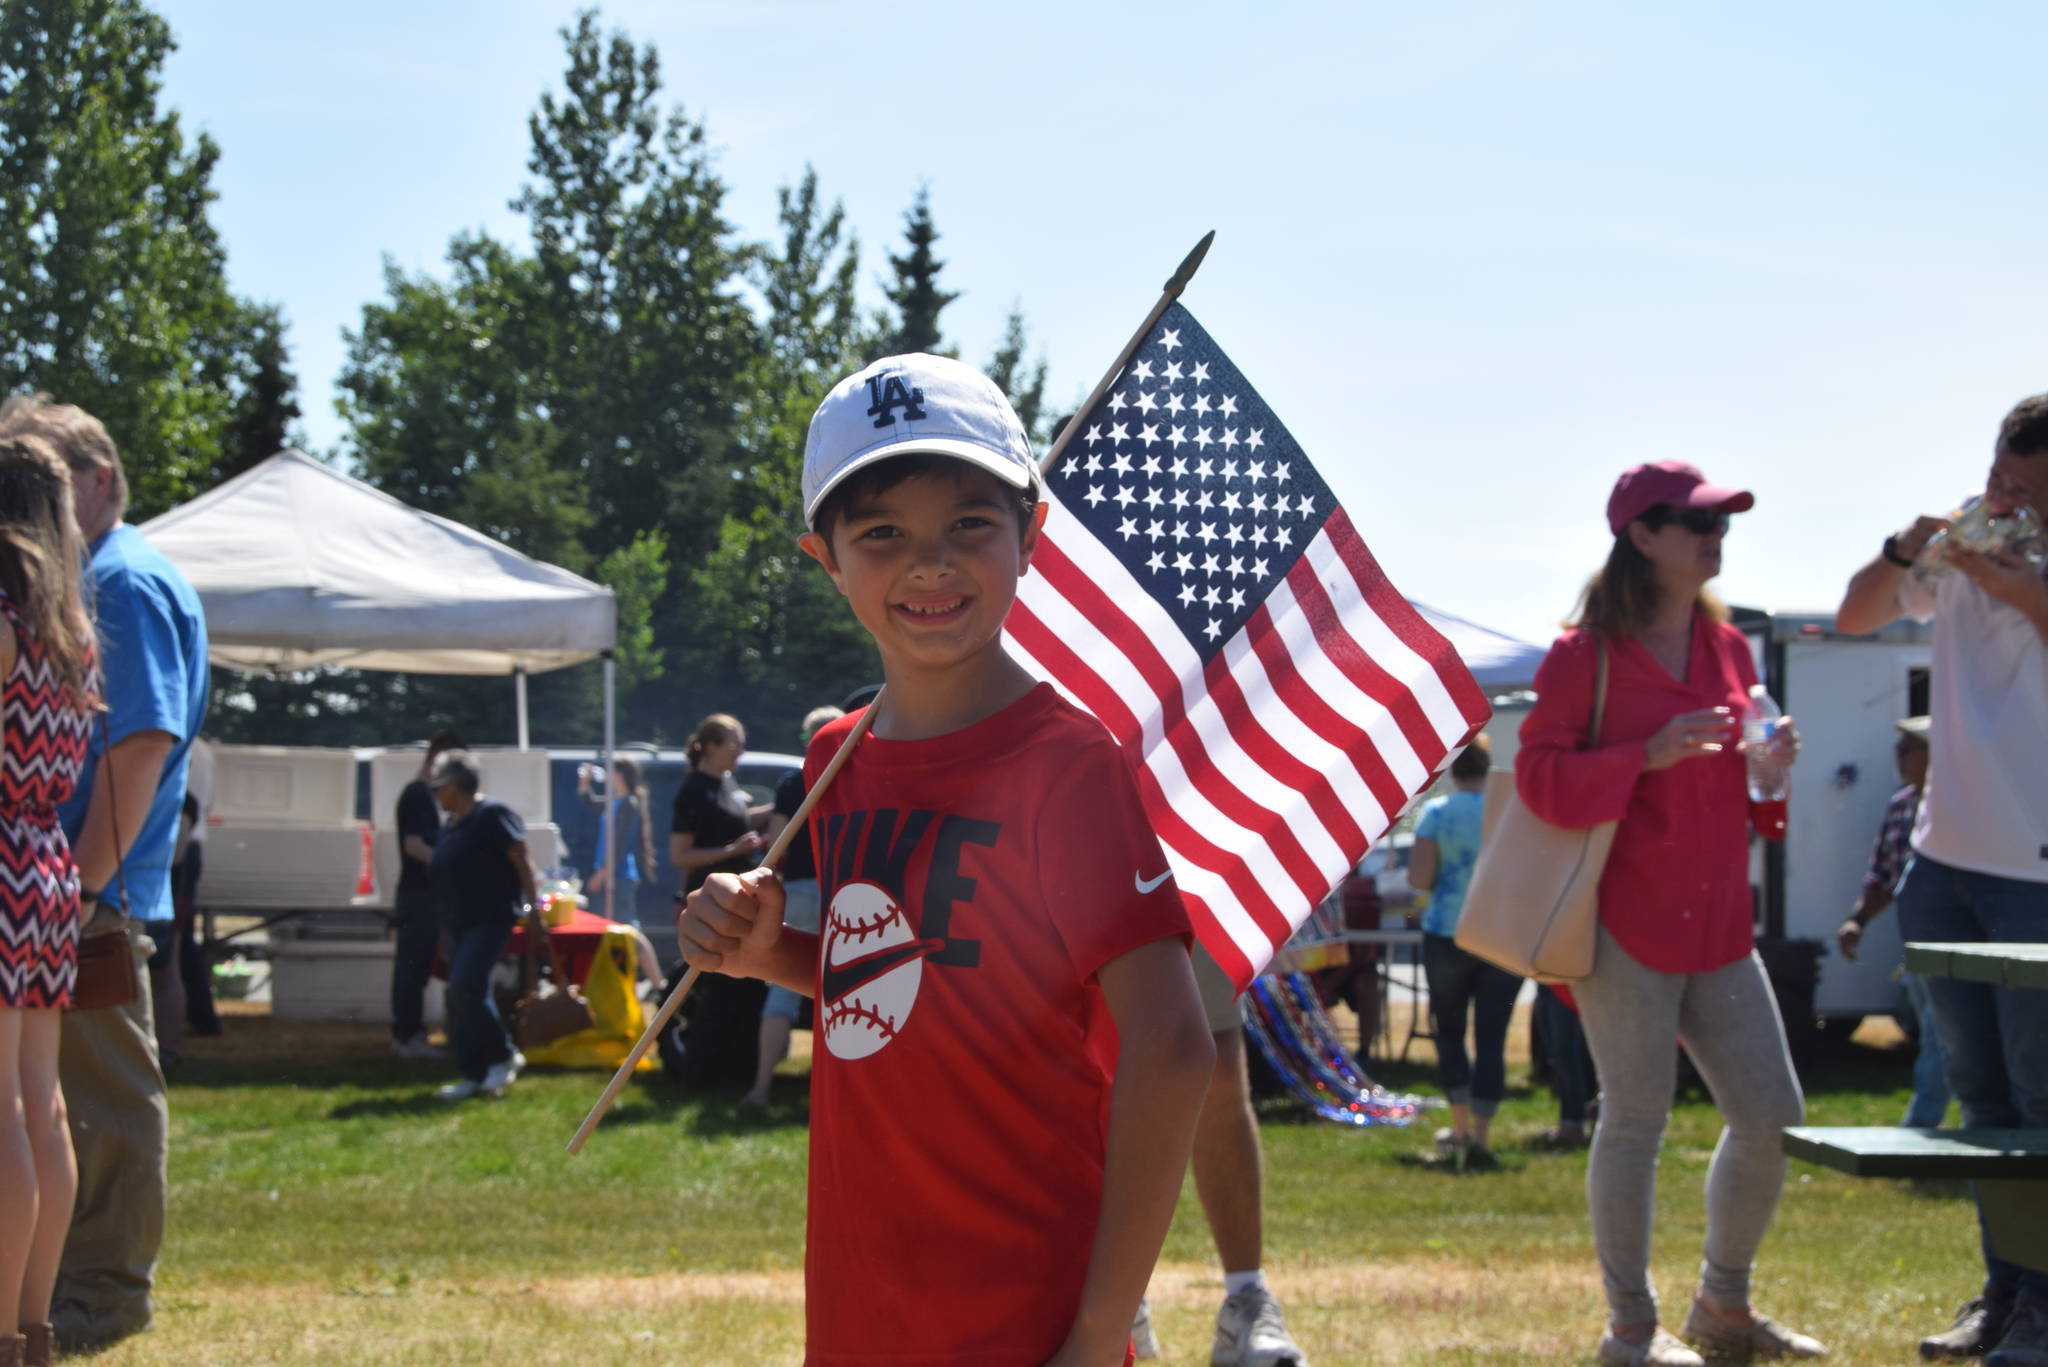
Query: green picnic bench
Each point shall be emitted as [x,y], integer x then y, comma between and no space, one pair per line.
[2010,1167]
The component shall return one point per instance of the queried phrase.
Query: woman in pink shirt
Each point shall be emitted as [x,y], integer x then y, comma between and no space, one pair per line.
[1676,957]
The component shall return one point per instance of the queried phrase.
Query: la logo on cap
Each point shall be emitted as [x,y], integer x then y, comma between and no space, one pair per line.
[890,393]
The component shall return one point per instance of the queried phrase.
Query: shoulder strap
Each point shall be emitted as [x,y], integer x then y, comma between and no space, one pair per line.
[113,809]
[1599,693]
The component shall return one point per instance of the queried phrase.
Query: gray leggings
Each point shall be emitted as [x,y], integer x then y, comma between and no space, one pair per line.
[1634,1017]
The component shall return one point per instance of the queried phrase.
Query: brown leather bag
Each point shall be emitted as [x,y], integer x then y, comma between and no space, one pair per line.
[1533,906]
[109,975]
[552,1007]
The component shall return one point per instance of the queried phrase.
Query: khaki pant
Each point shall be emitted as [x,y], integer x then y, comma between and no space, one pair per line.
[120,1130]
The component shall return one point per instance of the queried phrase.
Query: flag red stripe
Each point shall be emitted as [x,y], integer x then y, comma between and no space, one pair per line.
[1401,618]
[1179,731]
[1281,763]
[1342,650]
[1251,894]
[1075,673]
[1217,941]
[1318,715]
[1087,598]
[1102,700]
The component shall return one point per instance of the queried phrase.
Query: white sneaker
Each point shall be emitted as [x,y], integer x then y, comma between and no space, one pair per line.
[1661,1350]
[1251,1333]
[459,1091]
[503,1075]
[1143,1341]
[417,1047]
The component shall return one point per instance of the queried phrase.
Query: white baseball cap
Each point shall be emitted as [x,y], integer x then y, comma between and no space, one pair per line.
[913,403]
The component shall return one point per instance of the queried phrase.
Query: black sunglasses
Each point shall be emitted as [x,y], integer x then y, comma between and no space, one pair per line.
[1698,521]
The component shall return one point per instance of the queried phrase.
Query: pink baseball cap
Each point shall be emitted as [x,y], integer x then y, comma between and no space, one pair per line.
[1643,487]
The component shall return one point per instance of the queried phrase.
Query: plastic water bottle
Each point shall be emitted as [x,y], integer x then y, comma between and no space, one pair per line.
[1770,781]
[1972,527]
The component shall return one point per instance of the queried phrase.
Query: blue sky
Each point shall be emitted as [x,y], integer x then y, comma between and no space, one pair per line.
[1480,257]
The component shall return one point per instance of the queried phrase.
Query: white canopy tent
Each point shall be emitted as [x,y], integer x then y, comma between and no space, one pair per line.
[298,566]
[1500,663]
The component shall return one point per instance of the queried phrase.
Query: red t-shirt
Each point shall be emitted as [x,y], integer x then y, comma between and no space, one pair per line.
[1675,893]
[973,884]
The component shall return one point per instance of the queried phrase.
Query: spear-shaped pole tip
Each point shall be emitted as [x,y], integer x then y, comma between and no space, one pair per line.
[1189,264]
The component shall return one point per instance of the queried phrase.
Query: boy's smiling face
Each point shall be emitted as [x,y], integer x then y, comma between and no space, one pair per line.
[930,564]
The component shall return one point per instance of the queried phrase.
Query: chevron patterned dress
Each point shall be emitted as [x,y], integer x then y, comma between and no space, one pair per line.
[45,742]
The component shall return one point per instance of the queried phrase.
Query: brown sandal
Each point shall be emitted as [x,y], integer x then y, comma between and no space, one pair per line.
[12,1348]
[40,1345]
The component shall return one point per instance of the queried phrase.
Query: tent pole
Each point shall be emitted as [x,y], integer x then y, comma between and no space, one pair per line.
[519,701]
[611,853]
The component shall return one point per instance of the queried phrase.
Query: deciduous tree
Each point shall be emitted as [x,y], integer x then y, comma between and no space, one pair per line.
[113,293]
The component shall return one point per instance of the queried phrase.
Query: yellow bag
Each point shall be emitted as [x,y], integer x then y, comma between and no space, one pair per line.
[616,1016]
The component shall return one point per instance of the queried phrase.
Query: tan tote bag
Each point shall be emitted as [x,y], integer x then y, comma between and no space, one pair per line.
[1533,906]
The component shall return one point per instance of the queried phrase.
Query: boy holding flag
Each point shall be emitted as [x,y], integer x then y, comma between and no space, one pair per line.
[1013,1049]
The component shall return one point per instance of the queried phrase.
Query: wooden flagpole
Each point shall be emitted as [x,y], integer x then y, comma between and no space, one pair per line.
[682,989]
[1175,283]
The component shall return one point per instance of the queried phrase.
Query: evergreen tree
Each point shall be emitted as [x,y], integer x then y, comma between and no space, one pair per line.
[581,402]
[1023,381]
[266,402]
[915,288]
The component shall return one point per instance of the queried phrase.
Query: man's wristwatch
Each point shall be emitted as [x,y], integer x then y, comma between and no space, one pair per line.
[1892,553]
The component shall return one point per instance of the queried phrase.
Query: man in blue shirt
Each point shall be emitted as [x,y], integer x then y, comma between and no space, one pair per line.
[123,825]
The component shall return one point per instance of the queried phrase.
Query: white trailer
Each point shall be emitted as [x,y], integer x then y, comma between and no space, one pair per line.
[1846,693]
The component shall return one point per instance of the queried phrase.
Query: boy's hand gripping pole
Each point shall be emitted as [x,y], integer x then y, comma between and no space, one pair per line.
[682,989]
[1174,285]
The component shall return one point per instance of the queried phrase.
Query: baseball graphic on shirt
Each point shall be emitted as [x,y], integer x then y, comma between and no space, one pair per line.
[873,964]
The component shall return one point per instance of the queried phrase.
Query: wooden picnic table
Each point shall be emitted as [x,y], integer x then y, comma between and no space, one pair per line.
[2010,1167]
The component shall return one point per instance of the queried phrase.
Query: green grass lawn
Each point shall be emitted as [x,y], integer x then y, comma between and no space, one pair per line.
[325,1208]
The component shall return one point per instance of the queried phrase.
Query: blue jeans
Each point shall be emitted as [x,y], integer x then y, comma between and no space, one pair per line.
[418,922]
[1462,984]
[1929,1105]
[625,902]
[475,1030]
[1996,1037]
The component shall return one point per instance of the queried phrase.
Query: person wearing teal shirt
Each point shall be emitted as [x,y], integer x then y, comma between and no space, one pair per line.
[1461,986]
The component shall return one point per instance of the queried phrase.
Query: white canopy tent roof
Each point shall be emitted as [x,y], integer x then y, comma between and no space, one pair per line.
[298,565]
[1500,663]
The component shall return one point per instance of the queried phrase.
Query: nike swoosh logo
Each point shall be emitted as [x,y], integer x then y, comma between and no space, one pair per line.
[1145,885]
[840,979]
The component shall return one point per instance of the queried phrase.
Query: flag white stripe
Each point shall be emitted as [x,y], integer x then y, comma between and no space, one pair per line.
[1099,563]
[1199,881]
[1232,761]
[1301,740]
[1081,635]
[1196,878]
[1032,665]
[1380,644]
[1298,632]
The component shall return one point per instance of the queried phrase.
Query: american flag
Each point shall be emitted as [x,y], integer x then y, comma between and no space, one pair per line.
[1199,590]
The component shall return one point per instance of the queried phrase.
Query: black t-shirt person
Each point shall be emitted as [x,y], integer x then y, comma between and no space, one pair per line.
[798,860]
[417,815]
[475,884]
[712,811]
